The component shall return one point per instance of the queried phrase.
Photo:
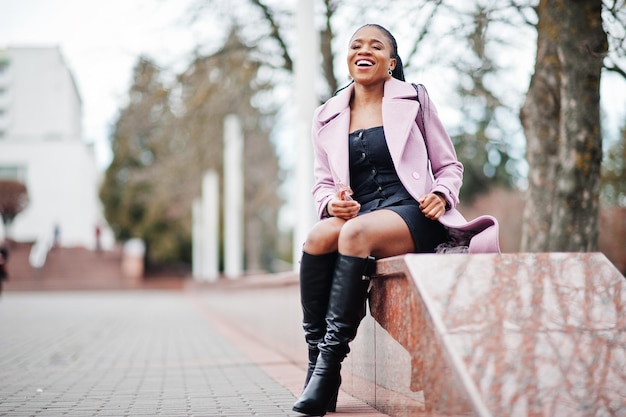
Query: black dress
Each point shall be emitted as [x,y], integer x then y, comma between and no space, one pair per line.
[376,186]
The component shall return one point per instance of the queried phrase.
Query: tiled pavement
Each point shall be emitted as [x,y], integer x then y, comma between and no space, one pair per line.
[138,353]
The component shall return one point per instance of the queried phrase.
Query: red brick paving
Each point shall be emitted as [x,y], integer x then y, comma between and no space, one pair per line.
[77,268]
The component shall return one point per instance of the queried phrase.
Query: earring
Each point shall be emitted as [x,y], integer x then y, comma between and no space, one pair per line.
[390,72]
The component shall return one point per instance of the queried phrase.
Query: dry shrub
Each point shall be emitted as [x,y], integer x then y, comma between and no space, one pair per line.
[612,235]
[508,207]
[505,205]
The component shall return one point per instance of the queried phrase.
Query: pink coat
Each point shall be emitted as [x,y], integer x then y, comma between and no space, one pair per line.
[409,152]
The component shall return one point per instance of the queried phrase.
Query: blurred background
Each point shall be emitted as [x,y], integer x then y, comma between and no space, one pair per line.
[111,113]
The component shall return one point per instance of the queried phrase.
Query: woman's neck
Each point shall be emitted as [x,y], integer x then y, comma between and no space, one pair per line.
[366,107]
[365,95]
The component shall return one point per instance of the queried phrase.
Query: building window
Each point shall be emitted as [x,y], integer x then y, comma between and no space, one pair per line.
[13,172]
[4,61]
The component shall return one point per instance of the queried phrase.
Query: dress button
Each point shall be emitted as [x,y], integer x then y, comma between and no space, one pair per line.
[416,175]
[374,171]
[362,155]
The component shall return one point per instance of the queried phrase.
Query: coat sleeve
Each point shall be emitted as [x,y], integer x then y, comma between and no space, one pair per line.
[446,168]
[324,186]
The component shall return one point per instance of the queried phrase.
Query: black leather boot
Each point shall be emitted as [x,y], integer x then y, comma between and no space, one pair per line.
[346,309]
[316,275]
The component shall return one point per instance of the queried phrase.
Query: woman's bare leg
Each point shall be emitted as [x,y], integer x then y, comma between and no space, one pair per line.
[381,233]
[323,237]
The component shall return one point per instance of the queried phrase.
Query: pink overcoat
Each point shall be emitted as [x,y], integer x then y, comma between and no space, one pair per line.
[409,151]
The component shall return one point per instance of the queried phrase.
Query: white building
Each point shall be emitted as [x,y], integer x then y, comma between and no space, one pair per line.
[41,145]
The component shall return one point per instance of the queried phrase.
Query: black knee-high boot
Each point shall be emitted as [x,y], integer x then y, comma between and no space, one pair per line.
[346,309]
[316,275]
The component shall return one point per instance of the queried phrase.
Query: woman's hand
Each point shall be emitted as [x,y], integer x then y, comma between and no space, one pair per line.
[432,205]
[342,205]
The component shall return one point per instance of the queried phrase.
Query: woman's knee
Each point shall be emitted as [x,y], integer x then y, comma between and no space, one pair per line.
[322,238]
[354,233]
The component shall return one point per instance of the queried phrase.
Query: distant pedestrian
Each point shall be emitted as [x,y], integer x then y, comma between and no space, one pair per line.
[4,257]
[98,237]
[56,235]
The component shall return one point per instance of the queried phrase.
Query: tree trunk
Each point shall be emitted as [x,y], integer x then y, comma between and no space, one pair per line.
[561,119]
[326,38]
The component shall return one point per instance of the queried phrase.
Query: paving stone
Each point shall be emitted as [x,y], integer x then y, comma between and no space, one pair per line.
[134,353]
[124,353]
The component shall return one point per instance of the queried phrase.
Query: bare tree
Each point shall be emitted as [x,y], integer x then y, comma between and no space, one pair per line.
[170,134]
[614,173]
[133,186]
[273,27]
[561,118]
[214,86]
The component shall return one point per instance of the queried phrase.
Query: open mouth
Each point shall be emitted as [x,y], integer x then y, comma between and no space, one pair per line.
[364,63]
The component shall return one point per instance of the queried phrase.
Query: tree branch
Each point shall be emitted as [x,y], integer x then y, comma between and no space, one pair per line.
[326,39]
[617,69]
[422,34]
[275,33]
[520,10]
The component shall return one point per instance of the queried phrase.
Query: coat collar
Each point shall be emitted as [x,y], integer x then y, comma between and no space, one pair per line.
[393,89]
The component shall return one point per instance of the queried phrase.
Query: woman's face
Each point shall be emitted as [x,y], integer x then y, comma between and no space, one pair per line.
[369,56]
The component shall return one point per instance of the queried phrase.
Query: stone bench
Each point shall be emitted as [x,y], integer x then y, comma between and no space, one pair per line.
[493,335]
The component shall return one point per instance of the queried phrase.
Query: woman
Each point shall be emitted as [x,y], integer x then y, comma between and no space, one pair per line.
[376,198]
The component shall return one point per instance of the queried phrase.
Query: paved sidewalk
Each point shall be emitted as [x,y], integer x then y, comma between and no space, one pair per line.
[138,353]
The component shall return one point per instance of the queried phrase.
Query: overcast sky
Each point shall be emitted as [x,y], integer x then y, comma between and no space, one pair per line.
[101,40]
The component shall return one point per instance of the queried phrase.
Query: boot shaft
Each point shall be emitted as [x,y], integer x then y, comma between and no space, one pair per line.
[346,307]
[316,274]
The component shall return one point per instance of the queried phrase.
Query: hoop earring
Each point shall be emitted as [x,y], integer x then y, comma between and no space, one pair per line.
[390,72]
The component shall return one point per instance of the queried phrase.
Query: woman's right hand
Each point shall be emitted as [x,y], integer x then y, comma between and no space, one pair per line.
[343,209]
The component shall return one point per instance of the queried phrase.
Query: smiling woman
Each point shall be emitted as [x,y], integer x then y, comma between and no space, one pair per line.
[367,141]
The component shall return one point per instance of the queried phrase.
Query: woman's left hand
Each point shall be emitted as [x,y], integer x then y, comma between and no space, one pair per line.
[432,205]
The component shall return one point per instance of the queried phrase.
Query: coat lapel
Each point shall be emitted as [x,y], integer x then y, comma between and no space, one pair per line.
[333,136]
[399,113]
[337,145]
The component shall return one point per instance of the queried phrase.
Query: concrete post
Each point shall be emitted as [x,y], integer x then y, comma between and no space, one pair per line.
[206,243]
[306,67]
[132,260]
[233,197]
[196,239]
